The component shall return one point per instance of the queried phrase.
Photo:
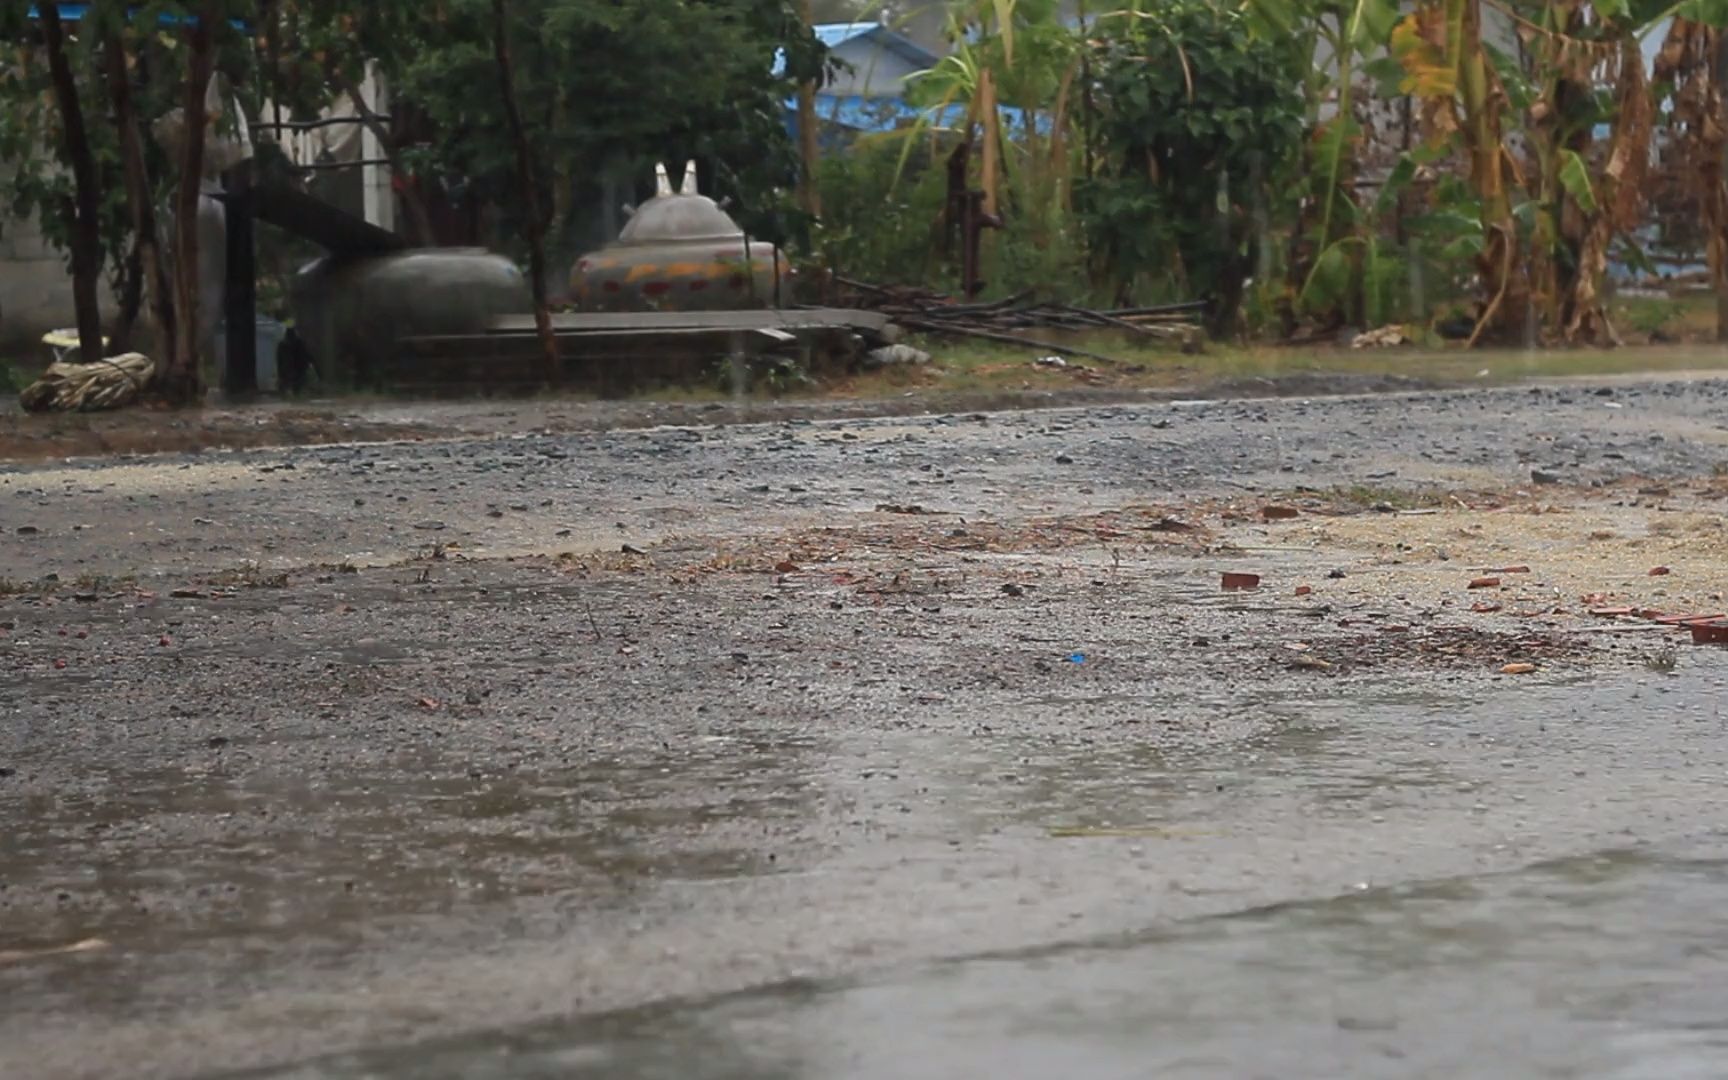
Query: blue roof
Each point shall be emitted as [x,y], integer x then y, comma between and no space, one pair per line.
[75,12]
[834,35]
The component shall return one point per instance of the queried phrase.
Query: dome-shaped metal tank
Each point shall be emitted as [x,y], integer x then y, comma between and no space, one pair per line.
[351,312]
[680,252]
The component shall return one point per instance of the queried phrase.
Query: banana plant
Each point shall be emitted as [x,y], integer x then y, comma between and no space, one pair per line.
[1690,70]
[1338,39]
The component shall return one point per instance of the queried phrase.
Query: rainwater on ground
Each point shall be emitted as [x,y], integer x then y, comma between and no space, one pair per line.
[1606,964]
[1391,881]
[913,808]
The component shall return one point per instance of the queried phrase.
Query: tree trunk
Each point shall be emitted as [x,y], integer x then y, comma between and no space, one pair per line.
[86,228]
[1694,58]
[1561,125]
[131,301]
[535,226]
[990,121]
[1619,195]
[809,196]
[1505,285]
[182,382]
[146,245]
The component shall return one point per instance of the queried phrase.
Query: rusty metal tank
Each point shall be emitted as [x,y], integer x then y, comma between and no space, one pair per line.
[680,252]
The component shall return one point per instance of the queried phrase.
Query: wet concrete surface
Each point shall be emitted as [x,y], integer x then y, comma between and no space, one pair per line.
[901,809]
[1606,964]
[371,504]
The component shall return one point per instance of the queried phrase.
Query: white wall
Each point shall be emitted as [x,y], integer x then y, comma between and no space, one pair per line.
[35,290]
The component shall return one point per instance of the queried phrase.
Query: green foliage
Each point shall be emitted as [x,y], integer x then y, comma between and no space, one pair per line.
[1198,119]
[1215,140]
[1574,176]
[1653,316]
[883,223]
[605,83]
[35,171]
[600,83]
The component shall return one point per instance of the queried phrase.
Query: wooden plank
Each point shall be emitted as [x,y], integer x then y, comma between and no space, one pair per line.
[336,230]
[791,319]
[593,339]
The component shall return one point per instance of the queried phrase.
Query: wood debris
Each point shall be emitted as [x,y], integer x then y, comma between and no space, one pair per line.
[931,312]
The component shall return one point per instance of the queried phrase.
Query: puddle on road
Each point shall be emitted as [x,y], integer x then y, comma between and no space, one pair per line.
[148,860]
[1614,961]
[1610,965]
[1331,753]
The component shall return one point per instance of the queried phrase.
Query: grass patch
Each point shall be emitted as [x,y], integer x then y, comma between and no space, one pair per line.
[249,576]
[988,366]
[1689,317]
[83,584]
[1372,497]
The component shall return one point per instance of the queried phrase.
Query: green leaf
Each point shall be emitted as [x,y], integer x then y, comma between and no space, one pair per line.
[1633,255]
[1464,247]
[1329,282]
[1574,176]
[1005,26]
[1387,75]
[1519,90]
[1272,18]
[1396,181]
[1374,23]
[1447,222]
[1709,12]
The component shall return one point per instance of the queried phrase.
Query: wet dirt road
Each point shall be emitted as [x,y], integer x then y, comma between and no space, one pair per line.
[798,786]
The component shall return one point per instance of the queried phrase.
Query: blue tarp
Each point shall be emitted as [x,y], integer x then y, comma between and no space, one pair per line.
[877,114]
